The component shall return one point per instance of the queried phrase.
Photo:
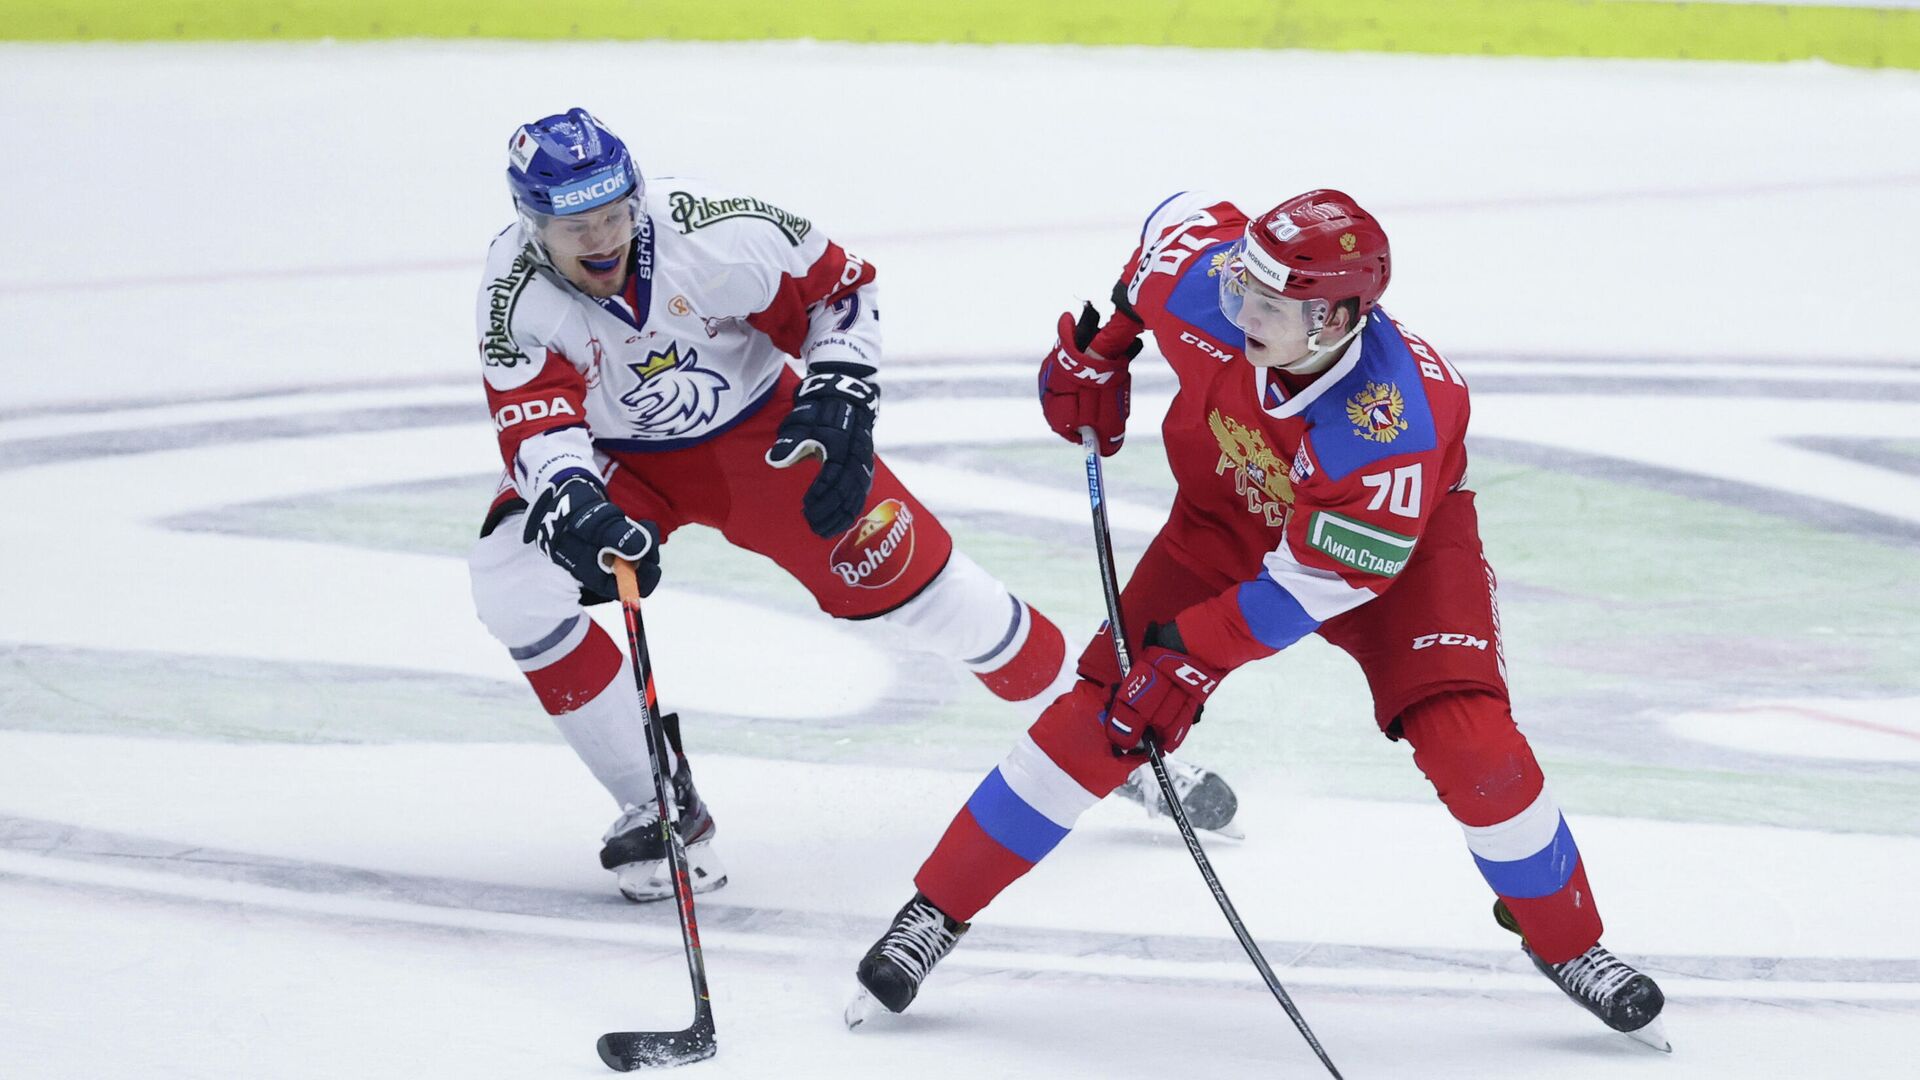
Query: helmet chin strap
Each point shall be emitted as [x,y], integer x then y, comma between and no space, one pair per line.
[1320,357]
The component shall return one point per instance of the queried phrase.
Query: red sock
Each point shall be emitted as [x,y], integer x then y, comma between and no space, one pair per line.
[1485,773]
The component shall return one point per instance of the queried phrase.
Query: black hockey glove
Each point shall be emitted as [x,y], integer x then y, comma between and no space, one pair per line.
[832,418]
[583,533]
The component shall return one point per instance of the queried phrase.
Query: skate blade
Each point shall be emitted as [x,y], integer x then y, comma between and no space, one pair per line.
[1654,1035]
[704,870]
[657,889]
[861,1009]
[1231,830]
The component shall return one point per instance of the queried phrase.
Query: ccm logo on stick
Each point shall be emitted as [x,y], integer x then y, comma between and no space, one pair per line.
[1428,641]
[522,411]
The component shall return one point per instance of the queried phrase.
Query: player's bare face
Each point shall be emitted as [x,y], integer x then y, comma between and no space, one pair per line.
[591,249]
[1278,329]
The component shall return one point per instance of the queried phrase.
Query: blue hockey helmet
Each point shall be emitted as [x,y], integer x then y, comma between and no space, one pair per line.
[569,164]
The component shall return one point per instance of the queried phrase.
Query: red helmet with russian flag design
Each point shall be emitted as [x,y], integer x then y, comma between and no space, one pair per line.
[1320,245]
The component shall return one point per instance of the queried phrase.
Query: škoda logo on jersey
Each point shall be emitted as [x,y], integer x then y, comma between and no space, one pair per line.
[519,412]
[1258,473]
[876,551]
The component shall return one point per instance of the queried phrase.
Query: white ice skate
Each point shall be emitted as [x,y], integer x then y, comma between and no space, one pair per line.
[1206,797]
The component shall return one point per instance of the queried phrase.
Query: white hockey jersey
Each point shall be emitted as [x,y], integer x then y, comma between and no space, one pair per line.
[724,289]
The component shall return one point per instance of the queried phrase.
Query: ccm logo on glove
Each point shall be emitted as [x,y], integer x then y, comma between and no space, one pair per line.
[1163,692]
[1082,386]
[832,420]
[583,533]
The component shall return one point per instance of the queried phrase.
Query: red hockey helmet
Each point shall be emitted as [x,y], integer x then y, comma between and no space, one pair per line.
[1320,246]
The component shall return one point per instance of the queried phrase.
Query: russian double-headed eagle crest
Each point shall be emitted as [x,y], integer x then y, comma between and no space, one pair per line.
[1223,262]
[1378,412]
[1247,449]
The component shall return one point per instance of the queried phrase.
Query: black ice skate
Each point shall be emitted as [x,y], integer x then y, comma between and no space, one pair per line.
[637,853]
[892,971]
[1209,802]
[1604,985]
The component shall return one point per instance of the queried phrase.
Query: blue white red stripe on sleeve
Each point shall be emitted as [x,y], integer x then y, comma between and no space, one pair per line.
[1258,618]
[1273,615]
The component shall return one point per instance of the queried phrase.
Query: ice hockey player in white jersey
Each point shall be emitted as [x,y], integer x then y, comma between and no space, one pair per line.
[636,341]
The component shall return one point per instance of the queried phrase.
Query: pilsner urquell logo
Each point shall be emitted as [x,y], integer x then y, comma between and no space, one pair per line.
[875,552]
[503,294]
[692,212]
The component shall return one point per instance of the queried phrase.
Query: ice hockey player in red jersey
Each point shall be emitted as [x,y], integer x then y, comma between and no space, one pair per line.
[1318,451]
[636,341]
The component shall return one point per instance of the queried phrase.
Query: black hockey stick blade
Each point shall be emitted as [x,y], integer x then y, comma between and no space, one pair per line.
[625,1051]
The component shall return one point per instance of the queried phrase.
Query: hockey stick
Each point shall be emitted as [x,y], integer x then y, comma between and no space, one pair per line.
[1110,584]
[625,1051]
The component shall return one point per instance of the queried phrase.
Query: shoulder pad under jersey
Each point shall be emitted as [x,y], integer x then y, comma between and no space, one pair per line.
[1375,411]
[725,222]
[1183,244]
[1175,209]
[518,308]
[741,244]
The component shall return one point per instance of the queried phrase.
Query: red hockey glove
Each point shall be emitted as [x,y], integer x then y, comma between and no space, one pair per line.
[1162,692]
[1084,380]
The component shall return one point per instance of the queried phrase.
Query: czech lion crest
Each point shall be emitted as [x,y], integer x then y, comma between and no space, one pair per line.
[675,396]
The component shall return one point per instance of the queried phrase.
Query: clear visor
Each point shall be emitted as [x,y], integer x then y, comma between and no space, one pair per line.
[1260,310]
[600,233]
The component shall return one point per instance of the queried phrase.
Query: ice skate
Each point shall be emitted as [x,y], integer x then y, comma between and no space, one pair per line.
[1603,984]
[893,969]
[1209,802]
[637,854]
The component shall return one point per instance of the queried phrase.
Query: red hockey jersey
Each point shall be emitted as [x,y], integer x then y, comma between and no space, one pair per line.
[1319,496]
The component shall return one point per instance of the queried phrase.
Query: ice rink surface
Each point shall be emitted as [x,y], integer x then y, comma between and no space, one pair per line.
[271,802]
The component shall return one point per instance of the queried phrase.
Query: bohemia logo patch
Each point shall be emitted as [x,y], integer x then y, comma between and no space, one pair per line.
[1378,413]
[877,550]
